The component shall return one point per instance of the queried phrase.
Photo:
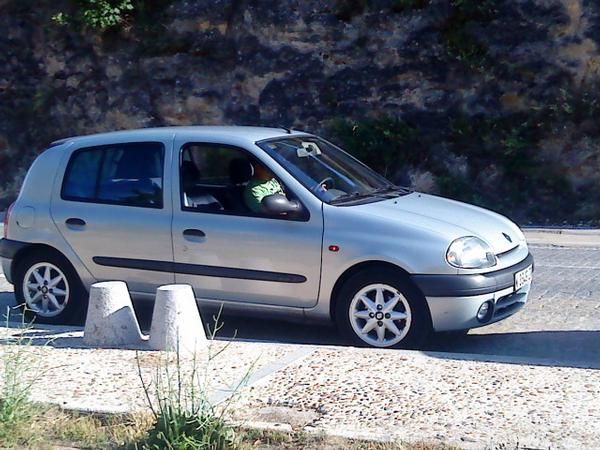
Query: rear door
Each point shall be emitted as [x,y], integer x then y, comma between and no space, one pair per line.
[114,211]
[227,252]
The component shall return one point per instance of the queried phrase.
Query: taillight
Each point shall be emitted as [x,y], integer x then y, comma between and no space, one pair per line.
[6,217]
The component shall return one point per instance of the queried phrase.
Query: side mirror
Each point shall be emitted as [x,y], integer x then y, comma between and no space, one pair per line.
[278,204]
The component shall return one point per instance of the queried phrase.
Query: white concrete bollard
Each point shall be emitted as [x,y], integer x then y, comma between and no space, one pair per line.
[176,322]
[111,322]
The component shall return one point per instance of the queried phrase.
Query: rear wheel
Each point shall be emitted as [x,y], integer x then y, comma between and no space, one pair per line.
[378,307]
[49,289]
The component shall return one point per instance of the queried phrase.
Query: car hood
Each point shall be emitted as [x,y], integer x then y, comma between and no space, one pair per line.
[449,218]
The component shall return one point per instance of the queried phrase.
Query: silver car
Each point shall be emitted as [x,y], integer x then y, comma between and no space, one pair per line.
[264,221]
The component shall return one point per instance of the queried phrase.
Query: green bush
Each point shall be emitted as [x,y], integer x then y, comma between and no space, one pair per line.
[460,45]
[382,143]
[96,14]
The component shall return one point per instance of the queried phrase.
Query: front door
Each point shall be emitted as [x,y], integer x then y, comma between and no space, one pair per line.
[114,212]
[226,250]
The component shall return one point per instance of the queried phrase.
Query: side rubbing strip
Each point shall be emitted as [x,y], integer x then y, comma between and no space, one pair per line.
[196,269]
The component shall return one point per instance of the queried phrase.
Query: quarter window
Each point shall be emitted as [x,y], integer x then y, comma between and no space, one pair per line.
[122,174]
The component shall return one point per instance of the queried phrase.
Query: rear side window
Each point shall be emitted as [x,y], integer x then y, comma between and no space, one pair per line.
[121,174]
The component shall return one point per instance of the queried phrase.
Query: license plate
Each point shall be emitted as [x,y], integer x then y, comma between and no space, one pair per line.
[523,277]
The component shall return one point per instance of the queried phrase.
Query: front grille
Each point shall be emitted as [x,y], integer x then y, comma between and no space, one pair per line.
[509,304]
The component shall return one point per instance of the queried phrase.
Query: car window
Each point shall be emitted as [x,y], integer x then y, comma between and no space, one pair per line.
[225,179]
[124,174]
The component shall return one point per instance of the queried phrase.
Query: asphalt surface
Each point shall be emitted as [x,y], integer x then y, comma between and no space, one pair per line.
[559,326]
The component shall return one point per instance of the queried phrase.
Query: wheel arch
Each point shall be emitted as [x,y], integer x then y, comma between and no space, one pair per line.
[358,268]
[32,249]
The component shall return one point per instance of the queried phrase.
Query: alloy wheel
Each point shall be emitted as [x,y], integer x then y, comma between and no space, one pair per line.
[380,315]
[45,289]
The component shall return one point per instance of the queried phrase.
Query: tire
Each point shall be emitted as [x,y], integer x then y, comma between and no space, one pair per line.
[413,322]
[48,289]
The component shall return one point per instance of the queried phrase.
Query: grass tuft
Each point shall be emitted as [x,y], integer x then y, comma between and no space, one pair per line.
[184,416]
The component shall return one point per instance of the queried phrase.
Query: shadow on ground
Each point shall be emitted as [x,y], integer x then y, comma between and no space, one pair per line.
[556,348]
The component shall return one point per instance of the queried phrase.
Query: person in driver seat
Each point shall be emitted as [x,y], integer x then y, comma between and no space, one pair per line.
[262,184]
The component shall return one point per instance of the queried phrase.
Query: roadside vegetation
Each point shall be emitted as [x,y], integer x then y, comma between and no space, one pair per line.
[56,429]
[183,415]
[180,414]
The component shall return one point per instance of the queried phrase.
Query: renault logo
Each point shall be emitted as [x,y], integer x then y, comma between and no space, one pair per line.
[507,237]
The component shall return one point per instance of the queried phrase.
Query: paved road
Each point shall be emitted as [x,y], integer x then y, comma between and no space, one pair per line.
[560,325]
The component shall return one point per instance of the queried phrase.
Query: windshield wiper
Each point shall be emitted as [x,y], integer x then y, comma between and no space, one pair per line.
[393,189]
[384,192]
[352,196]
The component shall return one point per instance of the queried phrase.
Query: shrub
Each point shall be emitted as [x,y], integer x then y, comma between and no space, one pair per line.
[382,143]
[96,14]
[184,416]
[460,45]
[19,366]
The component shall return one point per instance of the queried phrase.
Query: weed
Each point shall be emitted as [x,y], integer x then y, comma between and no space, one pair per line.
[19,372]
[184,416]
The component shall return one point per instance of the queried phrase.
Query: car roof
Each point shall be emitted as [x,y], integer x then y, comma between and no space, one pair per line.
[245,133]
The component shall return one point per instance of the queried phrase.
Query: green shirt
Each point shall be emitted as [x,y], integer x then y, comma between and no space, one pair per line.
[256,190]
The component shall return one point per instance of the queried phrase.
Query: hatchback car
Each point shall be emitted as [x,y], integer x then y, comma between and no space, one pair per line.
[261,221]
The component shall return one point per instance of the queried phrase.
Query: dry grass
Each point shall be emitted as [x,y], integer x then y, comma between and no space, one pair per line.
[54,428]
[57,429]
[276,440]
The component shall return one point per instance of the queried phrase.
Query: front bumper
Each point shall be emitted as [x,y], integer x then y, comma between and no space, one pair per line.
[454,300]
[8,250]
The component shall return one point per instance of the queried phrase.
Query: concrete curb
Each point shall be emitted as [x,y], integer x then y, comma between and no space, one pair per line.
[563,237]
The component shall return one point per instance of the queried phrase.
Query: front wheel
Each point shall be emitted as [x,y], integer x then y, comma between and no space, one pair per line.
[48,288]
[378,307]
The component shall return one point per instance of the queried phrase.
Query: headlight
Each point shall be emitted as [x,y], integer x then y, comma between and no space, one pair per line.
[470,252]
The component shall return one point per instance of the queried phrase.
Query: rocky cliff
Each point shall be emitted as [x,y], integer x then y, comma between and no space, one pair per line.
[494,102]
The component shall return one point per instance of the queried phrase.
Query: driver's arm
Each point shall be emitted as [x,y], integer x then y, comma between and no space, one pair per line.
[256,190]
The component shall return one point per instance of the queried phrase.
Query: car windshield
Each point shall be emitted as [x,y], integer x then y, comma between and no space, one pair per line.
[330,173]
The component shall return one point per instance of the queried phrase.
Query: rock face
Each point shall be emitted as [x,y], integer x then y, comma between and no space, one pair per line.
[501,96]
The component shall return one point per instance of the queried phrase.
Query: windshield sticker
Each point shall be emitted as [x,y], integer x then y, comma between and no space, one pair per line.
[308,149]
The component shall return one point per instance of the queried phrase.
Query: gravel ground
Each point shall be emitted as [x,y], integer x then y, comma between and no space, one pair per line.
[380,394]
[412,396]
[66,373]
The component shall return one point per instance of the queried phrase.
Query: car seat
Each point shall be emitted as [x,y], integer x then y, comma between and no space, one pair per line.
[195,196]
[240,172]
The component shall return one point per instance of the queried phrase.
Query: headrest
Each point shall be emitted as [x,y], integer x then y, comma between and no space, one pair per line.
[189,173]
[240,170]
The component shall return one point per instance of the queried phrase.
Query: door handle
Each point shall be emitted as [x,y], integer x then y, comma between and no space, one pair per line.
[191,232]
[75,221]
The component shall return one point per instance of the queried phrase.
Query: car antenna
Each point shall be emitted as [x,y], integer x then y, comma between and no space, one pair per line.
[287,130]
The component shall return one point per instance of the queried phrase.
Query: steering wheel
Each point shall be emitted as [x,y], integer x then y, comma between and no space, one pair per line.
[322,182]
